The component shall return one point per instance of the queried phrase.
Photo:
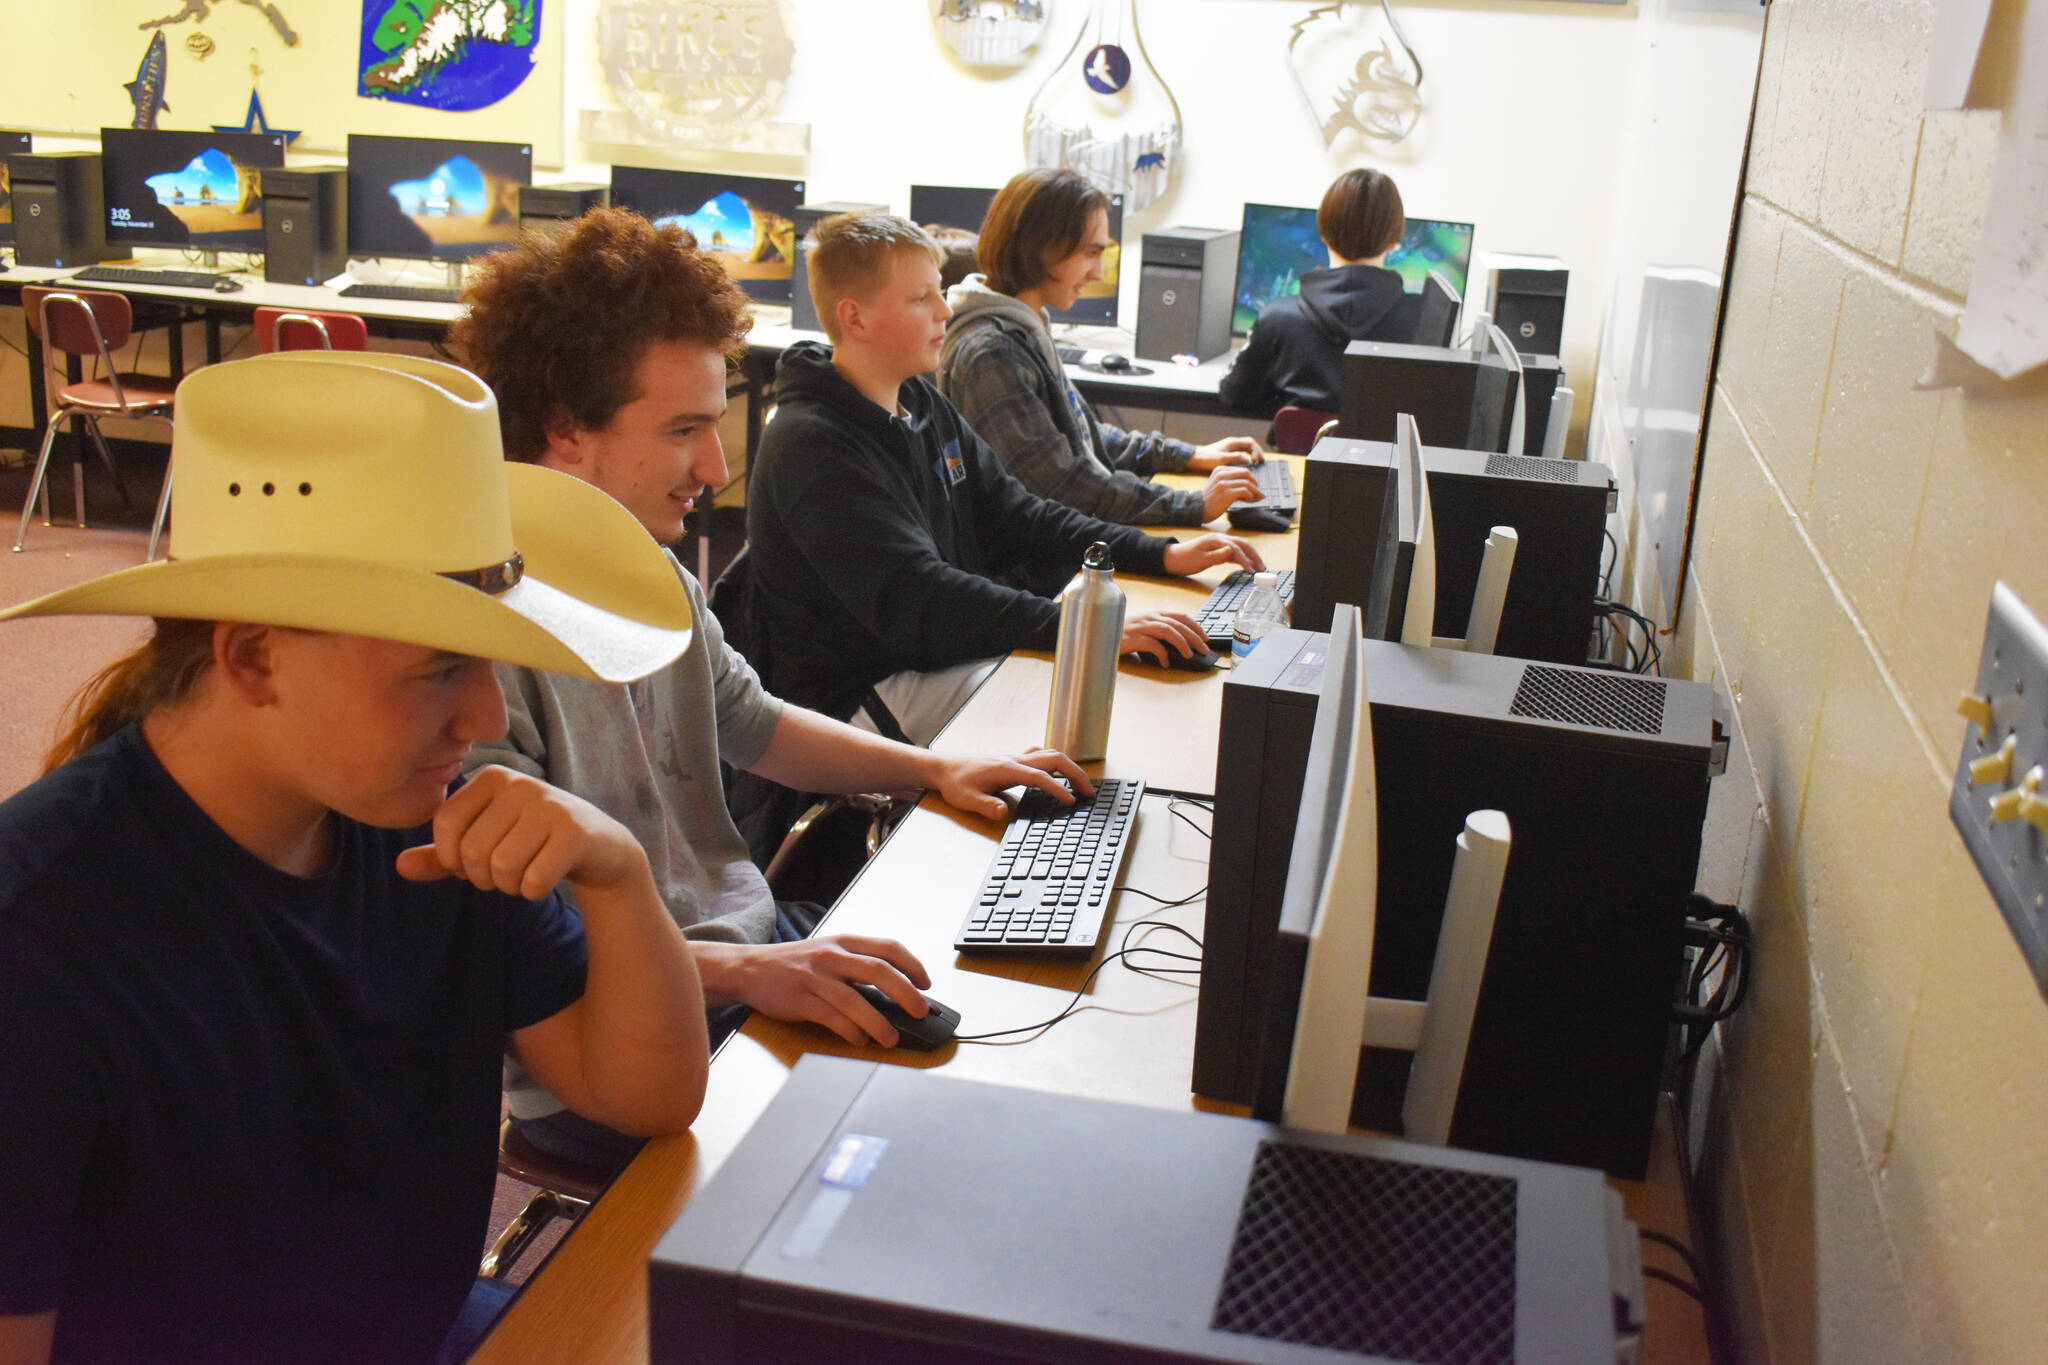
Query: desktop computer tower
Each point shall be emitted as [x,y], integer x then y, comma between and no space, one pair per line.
[305,224]
[1458,399]
[1525,295]
[551,208]
[880,1213]
[60,208]
[1184,292]
[1557,507]
[803,313]
[1603,778]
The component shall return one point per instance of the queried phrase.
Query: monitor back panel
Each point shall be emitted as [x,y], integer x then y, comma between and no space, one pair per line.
[1557,507]
[1568,1042]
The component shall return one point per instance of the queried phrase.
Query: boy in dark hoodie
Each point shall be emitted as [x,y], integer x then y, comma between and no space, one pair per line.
[1296,351]
[878,523]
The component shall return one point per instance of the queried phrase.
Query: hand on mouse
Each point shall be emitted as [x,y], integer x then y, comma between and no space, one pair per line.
[1192,556]
[808,981]
[1229,450]
[1227,487]
[1155,634]
[974,782]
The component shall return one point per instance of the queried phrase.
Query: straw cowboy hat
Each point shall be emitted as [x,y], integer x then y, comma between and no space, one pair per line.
[368,493]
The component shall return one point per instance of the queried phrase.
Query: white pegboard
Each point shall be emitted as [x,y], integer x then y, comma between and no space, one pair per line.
[2011,704]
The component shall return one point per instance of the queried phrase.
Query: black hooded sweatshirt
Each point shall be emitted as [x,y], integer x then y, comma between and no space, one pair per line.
[1296,352]
[874,541]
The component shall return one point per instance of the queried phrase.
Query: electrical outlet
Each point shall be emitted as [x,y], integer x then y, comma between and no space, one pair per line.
[1999,800]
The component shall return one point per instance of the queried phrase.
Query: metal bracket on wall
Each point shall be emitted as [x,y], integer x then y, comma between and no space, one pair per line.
[1997,801]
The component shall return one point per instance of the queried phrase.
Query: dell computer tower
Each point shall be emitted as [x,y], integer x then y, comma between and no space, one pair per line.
[551,208]
[1525,296]
[1558,509]
[60,208]
[1457,398]
[305,224]
[1603,777]
[881,1213]
[1184,292]
[803,313]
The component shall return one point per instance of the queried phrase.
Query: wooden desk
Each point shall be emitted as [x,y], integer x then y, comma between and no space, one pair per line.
[1133,1043]
[1164,725]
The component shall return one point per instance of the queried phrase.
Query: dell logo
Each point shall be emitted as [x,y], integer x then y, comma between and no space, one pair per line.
[284,225]
[1528,329]
[1168,298]
[35,210]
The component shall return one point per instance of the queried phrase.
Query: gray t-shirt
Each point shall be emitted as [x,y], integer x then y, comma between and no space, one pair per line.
[647,754]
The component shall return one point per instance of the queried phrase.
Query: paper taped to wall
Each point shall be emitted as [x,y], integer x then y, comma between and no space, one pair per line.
[2005,326]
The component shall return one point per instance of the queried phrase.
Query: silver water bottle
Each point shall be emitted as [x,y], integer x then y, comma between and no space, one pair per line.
[1084,669]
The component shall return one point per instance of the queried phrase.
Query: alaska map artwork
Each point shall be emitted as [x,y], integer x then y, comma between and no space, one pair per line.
[447,54]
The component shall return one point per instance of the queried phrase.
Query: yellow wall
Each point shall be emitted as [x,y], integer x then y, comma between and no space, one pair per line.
[1876,1161]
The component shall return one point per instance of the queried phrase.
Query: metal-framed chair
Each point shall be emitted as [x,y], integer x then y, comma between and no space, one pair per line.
[1296,430]
[91,324]
[306,329]
[563,1189]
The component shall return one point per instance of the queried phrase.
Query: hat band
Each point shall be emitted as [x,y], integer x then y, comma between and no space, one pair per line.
[492,578]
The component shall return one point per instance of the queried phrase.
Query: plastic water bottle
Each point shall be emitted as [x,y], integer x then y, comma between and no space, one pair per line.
[1084,669]
[1260,611]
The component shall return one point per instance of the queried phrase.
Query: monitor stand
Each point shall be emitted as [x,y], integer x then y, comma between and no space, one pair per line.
[455,276]
[209,260]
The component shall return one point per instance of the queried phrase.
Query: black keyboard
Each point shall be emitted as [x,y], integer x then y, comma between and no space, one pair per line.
[1218,611]
[1276,482]
[1048,888]
[167,279]
[1070,355]
[400,293]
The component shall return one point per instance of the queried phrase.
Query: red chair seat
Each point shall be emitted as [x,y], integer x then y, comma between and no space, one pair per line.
[141,391]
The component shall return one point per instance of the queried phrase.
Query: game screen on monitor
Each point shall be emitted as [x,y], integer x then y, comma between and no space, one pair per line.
[1278,245]
[432,198]
[959,207]
[747,222]
[198,191]
[11,143]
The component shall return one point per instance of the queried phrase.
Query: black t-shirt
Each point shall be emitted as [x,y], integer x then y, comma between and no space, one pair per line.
[246,1115]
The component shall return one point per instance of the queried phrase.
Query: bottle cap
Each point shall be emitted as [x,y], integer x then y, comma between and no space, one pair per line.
[1266,578]
[1097,557]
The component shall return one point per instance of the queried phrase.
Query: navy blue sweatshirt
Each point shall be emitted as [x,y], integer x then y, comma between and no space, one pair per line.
[1296,351]
[875,541]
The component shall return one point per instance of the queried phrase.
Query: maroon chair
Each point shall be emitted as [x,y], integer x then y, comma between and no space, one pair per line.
[304,329]
[91,324]
[1295,429]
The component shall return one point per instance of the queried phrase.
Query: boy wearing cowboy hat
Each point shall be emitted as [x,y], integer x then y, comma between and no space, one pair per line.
[257,966]
[608,348]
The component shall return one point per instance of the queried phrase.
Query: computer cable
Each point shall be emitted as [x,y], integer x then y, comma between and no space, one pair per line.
[1650,659]
[1691,1291]
[1174,806]
[1124,951]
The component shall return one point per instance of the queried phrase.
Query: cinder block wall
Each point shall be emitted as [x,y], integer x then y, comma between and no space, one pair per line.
[1878,1162]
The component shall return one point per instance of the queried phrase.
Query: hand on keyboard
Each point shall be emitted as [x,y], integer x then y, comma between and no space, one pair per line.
[1227,487]
[1229,450]
[1193,556]
[811,981]
[1161,634]
[975,783]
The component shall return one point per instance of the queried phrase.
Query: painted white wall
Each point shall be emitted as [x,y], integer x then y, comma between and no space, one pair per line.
[1523,134]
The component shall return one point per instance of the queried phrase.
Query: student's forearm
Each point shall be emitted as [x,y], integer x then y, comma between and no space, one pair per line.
[642,1038]
[815,753]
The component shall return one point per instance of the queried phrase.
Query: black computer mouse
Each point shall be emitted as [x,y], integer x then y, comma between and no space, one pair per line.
[1200,662]
[1243,518]
[935,1030]
[227,284]
[1115,363]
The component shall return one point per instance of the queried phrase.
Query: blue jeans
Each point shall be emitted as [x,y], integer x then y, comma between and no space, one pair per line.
[487,1299]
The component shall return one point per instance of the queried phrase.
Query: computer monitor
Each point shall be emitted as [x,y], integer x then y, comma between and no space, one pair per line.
[433,199]
[1319,1011]
[957,206]
[1438,325]
[1518,421]
[747,222]
[1418,603]
[1277,245]
[10,144]
[190,191]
